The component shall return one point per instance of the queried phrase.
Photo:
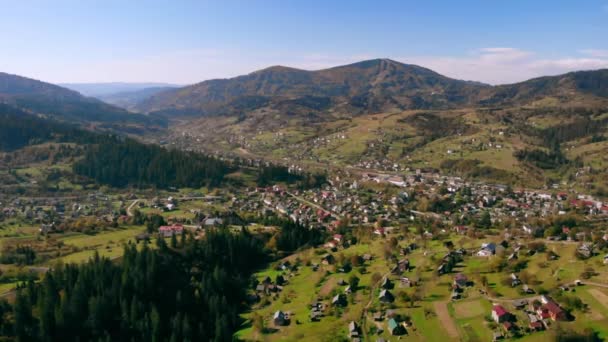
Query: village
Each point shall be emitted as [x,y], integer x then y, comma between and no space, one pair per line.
[405,256]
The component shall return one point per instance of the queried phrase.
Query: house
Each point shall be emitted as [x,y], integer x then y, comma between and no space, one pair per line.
[606,259]
[386,296]
[551,309]
[500,314]
[405,282]
[315,315]
[284,266]
[395,328]
[378,316]
[528,230]
[487,249]
[353,330]
[404,265]
[142,237]
[508,326]
[279,319]
[328,259]
[527,289]
[461,230]
[379,231]
[535,323]
[213,222]
[442,269]
[460,280]
[585,250]
[386,283]
[47,228]
[169,231]
[515,281]
[260,288]
[339,300]
[316,311]
[497,336]
[332,245]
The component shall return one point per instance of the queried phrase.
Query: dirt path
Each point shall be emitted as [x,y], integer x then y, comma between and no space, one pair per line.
[441,309]
[129,212]
[599,296]
[371,300]
[590,283]
[509,300]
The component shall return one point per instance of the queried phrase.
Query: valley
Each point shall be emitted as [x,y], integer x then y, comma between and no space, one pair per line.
[426,209]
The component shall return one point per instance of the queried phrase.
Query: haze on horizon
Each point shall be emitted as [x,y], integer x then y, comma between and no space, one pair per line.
[190,41]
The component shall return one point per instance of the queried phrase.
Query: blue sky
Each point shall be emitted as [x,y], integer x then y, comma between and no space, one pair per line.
[184,42]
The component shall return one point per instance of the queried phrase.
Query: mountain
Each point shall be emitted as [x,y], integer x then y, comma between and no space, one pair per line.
[130,99]
[567,87]
[63,104]
[385,115]
[372,86]
[109,88]
[364,87]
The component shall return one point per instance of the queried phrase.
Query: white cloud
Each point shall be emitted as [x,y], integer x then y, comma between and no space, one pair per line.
[508,65]
[595,52]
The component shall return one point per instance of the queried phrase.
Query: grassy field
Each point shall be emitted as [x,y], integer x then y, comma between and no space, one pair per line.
[107,243]
[435,318]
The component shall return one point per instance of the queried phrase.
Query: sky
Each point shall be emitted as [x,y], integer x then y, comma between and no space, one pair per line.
[184,42]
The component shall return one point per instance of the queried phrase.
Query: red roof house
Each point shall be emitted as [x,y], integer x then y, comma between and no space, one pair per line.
[500,314]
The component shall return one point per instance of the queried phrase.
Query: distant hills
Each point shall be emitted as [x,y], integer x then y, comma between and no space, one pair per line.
[131,99]
[376,114]
[121,94]
[371,86]
[63,104]
[385,115]
[110,88]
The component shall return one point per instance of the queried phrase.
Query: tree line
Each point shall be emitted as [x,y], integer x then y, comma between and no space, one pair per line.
[20,129]
[192,294]
[125,162]
[271,174]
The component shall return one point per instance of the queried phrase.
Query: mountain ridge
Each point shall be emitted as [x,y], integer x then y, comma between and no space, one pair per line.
[369,86]
[64,104]
[366,86]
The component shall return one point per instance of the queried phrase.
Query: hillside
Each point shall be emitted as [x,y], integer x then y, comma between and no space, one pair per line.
[372,86]
[591,86]
[108,88]
[130,99]
[67,105]
[364,87]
